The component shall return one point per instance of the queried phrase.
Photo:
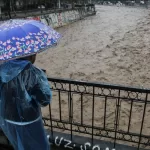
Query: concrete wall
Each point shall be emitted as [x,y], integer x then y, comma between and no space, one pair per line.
[59,19]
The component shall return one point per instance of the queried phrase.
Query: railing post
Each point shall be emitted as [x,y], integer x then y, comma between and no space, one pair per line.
[51,123]
[117,117]
[93,105]
[70,109]
[142,121]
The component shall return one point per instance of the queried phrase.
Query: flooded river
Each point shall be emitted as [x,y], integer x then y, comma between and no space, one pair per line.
[112,47]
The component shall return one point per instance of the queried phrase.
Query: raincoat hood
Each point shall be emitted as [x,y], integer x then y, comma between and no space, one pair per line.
[11,69]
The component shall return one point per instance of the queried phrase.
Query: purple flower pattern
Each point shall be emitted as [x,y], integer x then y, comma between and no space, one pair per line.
[28,44]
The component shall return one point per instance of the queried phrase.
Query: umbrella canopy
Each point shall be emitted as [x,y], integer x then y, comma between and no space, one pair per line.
[20,38]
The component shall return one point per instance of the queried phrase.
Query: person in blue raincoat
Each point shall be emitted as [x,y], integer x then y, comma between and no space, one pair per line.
[24,89]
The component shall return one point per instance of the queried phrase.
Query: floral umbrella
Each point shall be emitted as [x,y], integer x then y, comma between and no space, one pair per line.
[20,38]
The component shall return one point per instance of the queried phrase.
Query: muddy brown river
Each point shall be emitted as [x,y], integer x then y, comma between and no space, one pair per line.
[113,47]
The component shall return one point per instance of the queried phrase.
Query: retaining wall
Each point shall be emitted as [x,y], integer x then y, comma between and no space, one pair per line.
[63,18]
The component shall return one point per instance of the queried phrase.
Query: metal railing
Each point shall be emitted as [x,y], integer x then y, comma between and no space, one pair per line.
[108,115]
[97,116]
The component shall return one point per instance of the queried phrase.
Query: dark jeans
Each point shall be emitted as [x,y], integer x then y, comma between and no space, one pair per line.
[27,137]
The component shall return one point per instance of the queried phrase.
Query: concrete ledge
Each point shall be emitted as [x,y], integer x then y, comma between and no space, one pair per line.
[64,141]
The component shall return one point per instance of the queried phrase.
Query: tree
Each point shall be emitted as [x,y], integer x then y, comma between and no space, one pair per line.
[7,8]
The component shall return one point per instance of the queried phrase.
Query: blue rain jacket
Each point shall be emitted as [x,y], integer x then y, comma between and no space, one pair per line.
[23,90]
